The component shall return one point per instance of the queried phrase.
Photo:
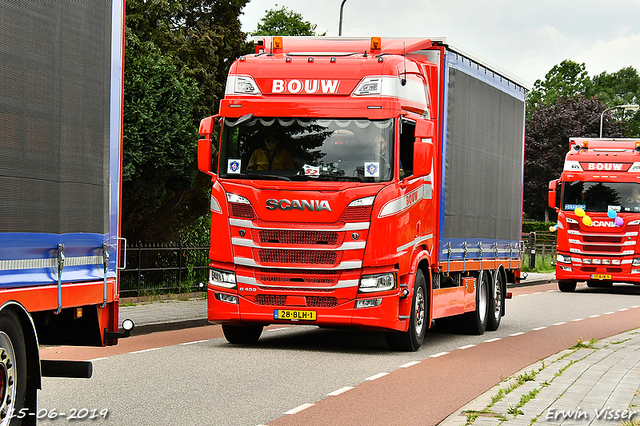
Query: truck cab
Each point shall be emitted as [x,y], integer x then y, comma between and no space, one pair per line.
[597,199]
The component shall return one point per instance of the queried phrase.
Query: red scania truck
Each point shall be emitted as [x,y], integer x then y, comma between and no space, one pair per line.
[598,202]
[61,87]
[403,204]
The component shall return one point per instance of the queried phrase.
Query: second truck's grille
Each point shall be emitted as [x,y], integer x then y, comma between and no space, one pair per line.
[276,236]
[313,257]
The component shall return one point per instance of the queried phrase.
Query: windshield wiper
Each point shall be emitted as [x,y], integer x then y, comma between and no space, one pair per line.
[338,177]
[261,176]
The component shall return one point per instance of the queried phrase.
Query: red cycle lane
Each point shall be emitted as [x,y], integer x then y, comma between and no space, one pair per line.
[428,392]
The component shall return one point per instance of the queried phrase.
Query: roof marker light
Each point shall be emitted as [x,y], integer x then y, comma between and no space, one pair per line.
[376,43]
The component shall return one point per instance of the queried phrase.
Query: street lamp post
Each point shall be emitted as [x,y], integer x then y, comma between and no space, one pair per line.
[631,107]
[340,25]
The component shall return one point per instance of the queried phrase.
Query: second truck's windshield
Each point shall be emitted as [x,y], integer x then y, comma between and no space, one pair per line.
[601,196]
[301,149]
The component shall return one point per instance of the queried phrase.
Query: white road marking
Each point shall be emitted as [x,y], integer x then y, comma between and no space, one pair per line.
[299,408]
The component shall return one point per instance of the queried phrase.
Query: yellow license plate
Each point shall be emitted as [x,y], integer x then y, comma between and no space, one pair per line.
[600,276]
[294,315]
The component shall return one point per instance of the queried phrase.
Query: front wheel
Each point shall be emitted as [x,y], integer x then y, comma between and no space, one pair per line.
[242,334]
[566,286]
[410,340]
[13,368]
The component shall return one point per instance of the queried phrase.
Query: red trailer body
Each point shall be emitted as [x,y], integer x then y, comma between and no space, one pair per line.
[352,188]
[598,202]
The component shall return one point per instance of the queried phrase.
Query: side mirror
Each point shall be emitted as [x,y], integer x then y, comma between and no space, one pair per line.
[553,185]
[204,146]
[423,148]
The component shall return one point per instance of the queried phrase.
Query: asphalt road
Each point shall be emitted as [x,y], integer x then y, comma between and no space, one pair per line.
[325,376]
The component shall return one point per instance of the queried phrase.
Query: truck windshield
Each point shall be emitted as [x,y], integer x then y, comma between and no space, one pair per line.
[303,149]
[601,196]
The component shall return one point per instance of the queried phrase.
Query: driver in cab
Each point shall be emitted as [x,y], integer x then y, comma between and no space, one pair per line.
[271,157]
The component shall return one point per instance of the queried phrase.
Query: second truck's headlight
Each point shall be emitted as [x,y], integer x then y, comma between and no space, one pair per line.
[220,278]
[378,282]
[563,259]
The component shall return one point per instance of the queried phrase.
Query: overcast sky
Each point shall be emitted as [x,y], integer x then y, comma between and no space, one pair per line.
[525,37]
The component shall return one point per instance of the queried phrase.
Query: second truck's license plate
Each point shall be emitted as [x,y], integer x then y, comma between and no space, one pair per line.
[600,277]
[289,314]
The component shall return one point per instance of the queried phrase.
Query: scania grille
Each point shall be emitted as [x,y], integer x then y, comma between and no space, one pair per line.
[278,236]
[309,257]
[287,276]
[593,270]
[321,301]
[601,249]
[266,299]
[310,301]
[601,239]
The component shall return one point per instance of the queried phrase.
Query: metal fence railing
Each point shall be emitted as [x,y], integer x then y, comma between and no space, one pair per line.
[538,246]
[154,268]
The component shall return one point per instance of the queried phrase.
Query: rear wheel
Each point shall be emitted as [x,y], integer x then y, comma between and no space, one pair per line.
[566,286]
[476,322]
[411,339]
[496,301]
[242,334]
[13,368]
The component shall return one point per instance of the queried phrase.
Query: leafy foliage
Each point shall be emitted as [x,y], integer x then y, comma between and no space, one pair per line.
[567,79]
[285,22]
[177,59]
[549,128]
[159,135]
[620,88]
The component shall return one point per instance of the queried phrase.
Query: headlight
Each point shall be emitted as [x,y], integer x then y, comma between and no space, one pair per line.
[563,259]
[220,278]
[378,282]
[636,261]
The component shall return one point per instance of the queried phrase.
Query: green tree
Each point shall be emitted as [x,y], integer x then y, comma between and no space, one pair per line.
[549,127]
[172,48]
[285,22]
[620,88]
[159,138]
[566,79]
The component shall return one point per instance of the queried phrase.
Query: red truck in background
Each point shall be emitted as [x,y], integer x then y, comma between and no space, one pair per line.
[373,183]
[597,199]
[61,88]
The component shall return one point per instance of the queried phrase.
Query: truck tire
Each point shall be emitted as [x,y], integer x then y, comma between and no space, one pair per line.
[410,340]
[496,302]
[566,286]
[476,322]
[242,334]
[13,368]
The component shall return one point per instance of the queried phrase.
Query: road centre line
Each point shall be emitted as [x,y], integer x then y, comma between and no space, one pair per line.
[466,347]
[376,376]
[299,408]
[339,391]
[145,350]
[191,343]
